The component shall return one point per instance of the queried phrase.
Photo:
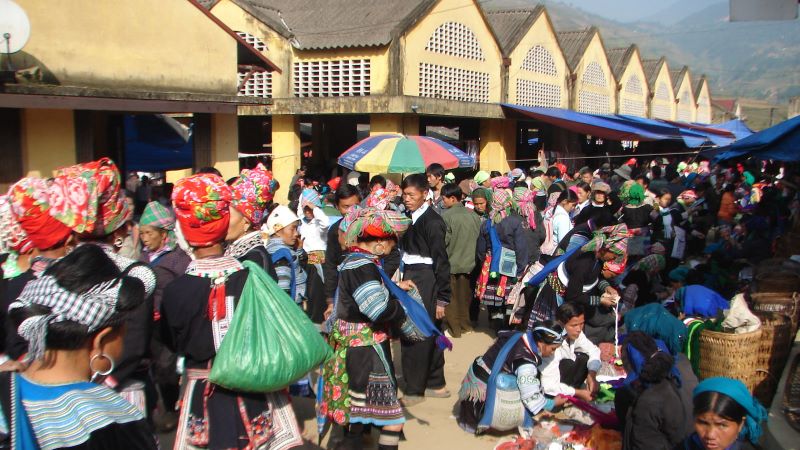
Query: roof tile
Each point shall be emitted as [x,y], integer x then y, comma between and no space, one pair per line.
[574,44]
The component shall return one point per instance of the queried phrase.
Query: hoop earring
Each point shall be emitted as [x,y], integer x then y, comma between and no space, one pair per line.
[118,242]
[382,251]
[95,373]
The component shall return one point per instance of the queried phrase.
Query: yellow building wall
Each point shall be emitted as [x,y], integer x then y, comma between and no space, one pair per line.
[498,144]
[279,50]
[145,44]
[48,141]
[543,35]
[285,153]
[415,40]
[596,53]
[378,63]
[225,144]
[669,101]
[704,114]
[634,68]
[686,112]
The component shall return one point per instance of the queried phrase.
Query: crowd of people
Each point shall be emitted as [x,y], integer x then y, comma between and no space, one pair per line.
[117,297]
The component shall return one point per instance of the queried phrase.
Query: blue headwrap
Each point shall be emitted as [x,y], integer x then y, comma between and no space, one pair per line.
[638,361]
[736,390]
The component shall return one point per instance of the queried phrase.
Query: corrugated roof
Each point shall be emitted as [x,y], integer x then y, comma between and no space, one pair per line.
[700,82]
[511,25]
[316,24]
[677,78]
[207,4]
[651,69]
[617,60]
[574,44]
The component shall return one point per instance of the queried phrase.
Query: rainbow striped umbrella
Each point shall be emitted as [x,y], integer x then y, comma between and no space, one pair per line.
[396,153]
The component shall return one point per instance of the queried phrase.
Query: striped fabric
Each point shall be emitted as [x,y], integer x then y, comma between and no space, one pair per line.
[70,418]
[372,298]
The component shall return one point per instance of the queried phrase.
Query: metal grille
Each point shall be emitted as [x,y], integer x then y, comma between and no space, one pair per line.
[661,111]
[704,110]
[594,75]
[685,108]
[539,60]
[258,85]
[455,39]
[662,92]
[593,103]
[453,83]
[338,78]
[257,43]
[534,93]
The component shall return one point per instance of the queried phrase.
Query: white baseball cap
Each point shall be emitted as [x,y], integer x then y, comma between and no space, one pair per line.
[279,218]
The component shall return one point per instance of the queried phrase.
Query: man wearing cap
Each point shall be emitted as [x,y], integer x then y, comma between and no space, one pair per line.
[599,208]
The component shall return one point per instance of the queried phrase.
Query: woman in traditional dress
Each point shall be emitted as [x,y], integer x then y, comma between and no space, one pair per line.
[360,385]
[505,229]
[72,318]
[523,362]
[252,192]
[287,259]
[649,405]
[162,254]
[726,417]
[635,214]
[582,278]
[88,198]
[195,313]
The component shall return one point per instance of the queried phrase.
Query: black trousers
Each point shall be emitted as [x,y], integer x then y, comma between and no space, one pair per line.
[423,362]
[574,373]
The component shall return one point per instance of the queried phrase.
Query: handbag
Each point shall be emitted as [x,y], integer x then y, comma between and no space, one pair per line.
[270,343]
[504,409]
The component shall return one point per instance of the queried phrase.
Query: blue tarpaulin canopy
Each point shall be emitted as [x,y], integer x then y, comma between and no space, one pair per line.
[156,143]
[735,126]
[780,142]
[590,124]
[690,138]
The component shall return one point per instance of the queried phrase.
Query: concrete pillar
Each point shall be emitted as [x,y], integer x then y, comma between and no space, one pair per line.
[498,144]
[225,144]
[285,152]
[48,140]
[393,123]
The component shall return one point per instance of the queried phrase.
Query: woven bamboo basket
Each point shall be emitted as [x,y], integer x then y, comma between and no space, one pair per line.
[776,341]
[778,302]
[778,281]
[730,355]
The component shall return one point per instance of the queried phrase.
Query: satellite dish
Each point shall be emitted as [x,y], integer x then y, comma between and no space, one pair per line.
[15,28]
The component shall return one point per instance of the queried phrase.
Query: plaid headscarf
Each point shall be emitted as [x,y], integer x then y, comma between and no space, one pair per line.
[252,191]
[156,215]
[201,208]
[613,238]
[92,309]
[376,223]
[524,198]
[651,264]
[12,236]
[481,192]
[631,193]
[30,206]
[658,249]
[349,218]
[88,198]
[502,205]
[311,198]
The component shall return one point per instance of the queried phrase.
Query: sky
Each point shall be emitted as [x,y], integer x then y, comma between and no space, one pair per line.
[632,10]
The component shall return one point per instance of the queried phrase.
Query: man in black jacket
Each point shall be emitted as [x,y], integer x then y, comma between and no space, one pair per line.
[425,262]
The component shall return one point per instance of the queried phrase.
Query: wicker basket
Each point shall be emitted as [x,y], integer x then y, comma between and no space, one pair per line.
[778,281]
[778,302]
[730,355]
[776,341]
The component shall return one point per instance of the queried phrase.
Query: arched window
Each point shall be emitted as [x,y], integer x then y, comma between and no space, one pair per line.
[634,86]
[455,39]
[594,75]
[662,92]
[539,60]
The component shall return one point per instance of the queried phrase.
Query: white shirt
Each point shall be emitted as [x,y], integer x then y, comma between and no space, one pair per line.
[551,374]
[315,231]
[562,224]
[579,207]
[420,211]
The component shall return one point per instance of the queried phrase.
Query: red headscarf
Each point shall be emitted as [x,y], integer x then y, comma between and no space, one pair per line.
[88,198]
[202,204]
[30,206]
[12,236]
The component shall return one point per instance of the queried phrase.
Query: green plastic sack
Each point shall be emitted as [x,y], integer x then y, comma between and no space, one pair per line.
[270,342]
